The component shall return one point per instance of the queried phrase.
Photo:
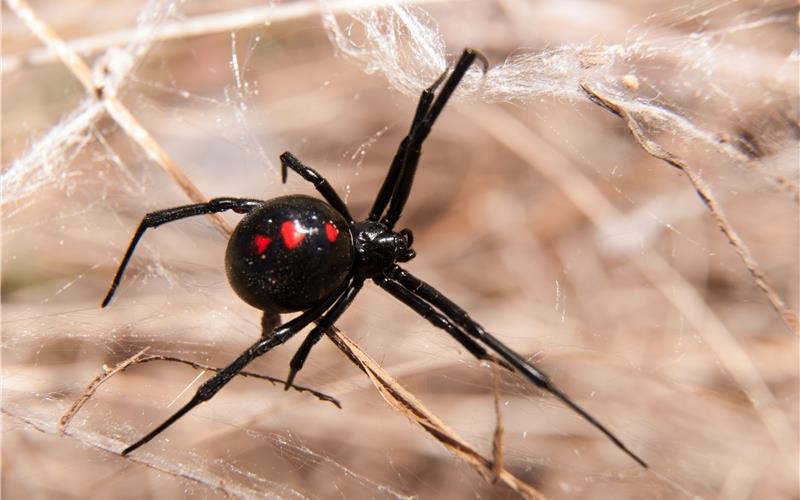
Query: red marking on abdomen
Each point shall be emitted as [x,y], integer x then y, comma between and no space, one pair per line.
[260,244]
[331,232]
[291,235]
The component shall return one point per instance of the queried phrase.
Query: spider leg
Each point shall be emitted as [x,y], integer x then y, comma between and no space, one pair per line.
[390,182]
[211,386]
[419,133]
[426,292]
[425,310]
[155,219]
[327,321]
[288,160]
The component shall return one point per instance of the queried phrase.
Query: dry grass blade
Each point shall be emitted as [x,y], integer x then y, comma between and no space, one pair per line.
[634,123]
[115,108]
[53,42]
[406,404]
[497,439]
[195,26]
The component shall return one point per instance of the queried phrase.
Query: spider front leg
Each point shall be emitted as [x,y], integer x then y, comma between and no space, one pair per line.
[155,219]
[451,310]
[264,344]
[411,147]
[390,182]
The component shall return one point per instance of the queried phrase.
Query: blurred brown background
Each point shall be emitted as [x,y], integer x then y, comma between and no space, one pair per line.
[542,217]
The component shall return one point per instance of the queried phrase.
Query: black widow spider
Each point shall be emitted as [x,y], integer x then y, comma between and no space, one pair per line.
[298,253]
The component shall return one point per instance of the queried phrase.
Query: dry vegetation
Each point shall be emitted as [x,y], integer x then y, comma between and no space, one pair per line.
[575,234]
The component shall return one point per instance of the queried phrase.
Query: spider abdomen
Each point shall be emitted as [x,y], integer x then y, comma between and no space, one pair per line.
[289,254]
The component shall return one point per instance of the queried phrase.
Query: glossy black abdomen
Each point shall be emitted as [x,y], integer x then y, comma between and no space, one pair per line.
[289,254]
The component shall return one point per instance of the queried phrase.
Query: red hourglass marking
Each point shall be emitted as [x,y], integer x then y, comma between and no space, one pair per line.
[292,236]
[331,232]
[260,244]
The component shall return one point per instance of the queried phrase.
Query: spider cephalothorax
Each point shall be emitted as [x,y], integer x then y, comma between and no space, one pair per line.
[377,247]
[298,253]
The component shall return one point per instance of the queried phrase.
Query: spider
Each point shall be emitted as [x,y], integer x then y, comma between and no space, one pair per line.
[298,253]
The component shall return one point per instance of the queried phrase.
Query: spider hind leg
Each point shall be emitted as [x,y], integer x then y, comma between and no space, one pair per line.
[451,311]
[266,343]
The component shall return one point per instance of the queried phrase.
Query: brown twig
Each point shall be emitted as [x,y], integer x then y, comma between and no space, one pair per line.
[408,405]
[274,380]
[392,392]
[634,123]
[141,358]
[140,135]
[92,387]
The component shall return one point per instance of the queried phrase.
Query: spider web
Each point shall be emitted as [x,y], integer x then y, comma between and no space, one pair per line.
[557,201]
